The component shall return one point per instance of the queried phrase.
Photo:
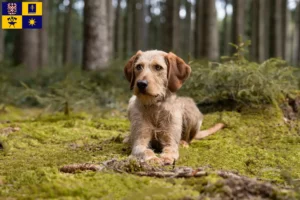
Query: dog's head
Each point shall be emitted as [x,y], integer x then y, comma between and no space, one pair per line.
[152,74]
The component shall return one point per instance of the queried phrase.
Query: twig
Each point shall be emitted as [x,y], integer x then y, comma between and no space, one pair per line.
[81,167]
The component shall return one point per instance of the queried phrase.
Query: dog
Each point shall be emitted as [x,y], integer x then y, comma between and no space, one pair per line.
[159,120]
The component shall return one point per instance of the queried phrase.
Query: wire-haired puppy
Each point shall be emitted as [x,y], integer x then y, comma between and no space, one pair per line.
[159,119]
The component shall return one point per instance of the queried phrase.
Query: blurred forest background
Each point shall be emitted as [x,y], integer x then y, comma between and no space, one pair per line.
[72,32]
[93,33]
[80,36]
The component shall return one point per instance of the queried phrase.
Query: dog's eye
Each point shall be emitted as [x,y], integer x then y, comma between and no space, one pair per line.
[139,67]
[158,67]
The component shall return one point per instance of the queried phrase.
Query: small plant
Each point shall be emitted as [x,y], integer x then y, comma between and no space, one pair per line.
[239,81]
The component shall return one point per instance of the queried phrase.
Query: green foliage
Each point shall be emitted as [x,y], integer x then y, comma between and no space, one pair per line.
[237,80]
[66,89]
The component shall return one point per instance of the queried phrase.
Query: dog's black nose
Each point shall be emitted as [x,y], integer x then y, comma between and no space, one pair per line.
[142,84]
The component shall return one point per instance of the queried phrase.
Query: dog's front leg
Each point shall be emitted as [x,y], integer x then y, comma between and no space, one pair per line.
[170,143]
[170,154]
[140,146]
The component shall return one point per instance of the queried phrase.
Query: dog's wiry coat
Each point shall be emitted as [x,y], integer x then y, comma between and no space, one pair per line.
[159,119]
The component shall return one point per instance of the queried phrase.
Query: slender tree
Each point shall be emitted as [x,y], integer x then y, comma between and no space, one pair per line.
[139,25]
[296,37]
[58,33]
[226,35]
[155,27]
[172,26]
[67,37]
[258,31]
[145,31]
[127,29]
[43,37]
[198,29]
[110,27]
[267,27]
[238,20]
[117,31]
[206,31]
[284,27]
[275,33]
[187,29]
[95,46]
[29,40]
[210,31]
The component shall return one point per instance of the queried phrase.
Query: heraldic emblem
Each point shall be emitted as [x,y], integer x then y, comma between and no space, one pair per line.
[12,8]
[22,15]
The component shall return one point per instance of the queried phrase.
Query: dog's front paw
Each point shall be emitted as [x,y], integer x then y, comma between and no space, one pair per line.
[184,144]
[155,161]
[167,160]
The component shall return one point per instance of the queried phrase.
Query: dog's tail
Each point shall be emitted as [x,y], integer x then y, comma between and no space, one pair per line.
[207,132]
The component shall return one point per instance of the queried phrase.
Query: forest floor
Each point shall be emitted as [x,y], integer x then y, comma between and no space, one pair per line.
[257,144]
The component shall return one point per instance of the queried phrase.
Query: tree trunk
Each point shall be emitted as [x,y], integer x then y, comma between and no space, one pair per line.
[267,28]
[276,29]
[172,26]
[138,19]
[58,34]
[1,38]
[110,27]
[289,36]
[296,38]
[154,27]
[95,47]
[127,36]
[134,31]
[284,28]
[258,30]
[43,34]
[225,31]
[139,25]
[29,49]
[187,29]
[206,30]
[198,29]
[210,31]
[67,41]
[16,49]
[145,32]
[117,42]
[238,20]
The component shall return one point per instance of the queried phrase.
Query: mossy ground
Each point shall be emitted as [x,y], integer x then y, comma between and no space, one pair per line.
[255,143]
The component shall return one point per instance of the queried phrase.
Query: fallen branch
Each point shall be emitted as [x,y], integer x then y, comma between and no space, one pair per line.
[240,186]
[81,167]
[144,169]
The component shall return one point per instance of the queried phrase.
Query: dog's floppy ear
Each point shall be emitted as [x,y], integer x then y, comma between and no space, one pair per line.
[129,68]
[178,71]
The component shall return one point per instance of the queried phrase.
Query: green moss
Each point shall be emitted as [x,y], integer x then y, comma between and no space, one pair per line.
[255,143]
